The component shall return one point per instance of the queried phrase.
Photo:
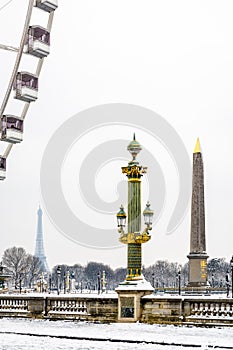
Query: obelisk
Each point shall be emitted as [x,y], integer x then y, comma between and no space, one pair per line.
[198,256]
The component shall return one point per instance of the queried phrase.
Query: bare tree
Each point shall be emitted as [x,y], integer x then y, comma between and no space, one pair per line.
[16,262]
[34,269]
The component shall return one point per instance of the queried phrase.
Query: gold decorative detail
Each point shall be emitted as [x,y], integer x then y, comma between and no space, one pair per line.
[133,179]
[134,277]
[203,263]
[197,148]
[134,171]
[136,237]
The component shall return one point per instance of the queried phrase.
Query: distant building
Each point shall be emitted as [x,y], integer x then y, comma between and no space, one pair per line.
[39,251]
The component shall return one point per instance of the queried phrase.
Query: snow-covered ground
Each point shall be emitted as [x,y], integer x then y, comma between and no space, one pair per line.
[55,335]
[61,335]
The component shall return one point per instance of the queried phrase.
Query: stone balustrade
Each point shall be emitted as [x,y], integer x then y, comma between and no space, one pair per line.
[104,308]
[68,306]
[185,309]
[212,309]
[13,305]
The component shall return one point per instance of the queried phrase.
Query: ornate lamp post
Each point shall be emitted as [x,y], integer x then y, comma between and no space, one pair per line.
[134,237]
[227,283]
[58,279]
[81,286]
[41,282]
[20,283]
[153,280]
[72,288]
[64,283]
[135,286]
[98,283]
[3,276]
[50,283]
[179,284]
[231,263]
[212,281]
[104,282]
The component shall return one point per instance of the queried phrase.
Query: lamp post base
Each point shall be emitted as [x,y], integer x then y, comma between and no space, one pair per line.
[129,299]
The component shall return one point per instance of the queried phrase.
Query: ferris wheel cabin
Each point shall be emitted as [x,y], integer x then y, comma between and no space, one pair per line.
[2,168]
[38,41]
[47,5]
[11,128]
[26,87]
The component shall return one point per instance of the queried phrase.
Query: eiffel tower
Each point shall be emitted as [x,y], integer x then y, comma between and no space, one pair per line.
[39,251]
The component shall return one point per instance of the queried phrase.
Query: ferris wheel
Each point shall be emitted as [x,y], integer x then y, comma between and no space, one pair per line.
[23,85]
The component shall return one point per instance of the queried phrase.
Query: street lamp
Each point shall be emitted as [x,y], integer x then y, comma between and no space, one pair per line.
[121,219]
[64,283]
[231,263]
[212,280]
[41,282]
[227,283]
[58,278]
[98,283]
[50,283]
[134,237]
[179,284]
[20,283]
[72,282]
[148,216]
[153,280]
[104,282]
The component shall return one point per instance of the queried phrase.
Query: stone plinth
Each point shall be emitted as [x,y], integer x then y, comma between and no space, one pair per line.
[197,270]
[129,299]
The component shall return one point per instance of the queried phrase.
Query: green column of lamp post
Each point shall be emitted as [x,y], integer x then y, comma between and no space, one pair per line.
[134,238]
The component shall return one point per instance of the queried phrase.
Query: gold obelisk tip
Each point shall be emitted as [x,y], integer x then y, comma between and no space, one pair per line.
[197,148]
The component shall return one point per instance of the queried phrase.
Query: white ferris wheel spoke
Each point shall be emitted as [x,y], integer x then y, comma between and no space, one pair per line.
[20,52]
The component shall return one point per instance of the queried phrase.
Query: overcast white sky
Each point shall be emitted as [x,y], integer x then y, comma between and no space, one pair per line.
[173,57]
